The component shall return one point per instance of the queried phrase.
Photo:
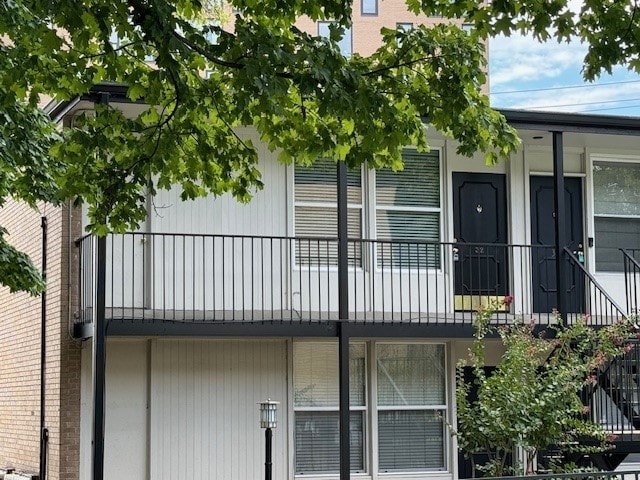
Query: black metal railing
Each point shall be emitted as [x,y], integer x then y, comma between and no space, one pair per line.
[230,278]
[614,401]
[631,261]
[580,475]
[86,278]
[586,297]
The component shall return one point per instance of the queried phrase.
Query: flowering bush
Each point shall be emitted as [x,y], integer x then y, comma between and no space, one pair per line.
[531,400]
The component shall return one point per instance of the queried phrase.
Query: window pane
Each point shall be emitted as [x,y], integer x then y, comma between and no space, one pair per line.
[411,374]
[315,374]
[322,222]
[344,43]
[317,183]
[616,188]
[410,440]
[418,185]
[407,256]
[400,225]
[611,234]
[317,442]
[370,6]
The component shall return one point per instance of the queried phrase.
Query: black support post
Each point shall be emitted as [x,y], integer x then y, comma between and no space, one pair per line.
[268,462]
[343,313]
[561,237]
[99,363]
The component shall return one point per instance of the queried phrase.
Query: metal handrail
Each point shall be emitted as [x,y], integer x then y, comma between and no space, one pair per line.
[631,271]
[601,291]
[619,475]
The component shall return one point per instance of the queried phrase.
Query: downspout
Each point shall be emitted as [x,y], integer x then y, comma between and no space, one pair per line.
[44,432]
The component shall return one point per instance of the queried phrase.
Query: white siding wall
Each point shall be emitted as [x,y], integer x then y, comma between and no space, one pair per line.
[265,214]
[204,412]
[182,273]
[126,439]
[202,421]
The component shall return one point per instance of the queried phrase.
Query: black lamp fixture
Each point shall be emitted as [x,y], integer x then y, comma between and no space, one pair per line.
[268,420]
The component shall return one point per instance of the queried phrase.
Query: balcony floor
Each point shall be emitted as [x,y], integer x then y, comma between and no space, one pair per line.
[141,321]
[288,316]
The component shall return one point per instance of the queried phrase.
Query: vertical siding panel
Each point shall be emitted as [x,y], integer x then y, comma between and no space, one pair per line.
[189,411]
[198,412]
[266,214]
[204,417]
[175,410]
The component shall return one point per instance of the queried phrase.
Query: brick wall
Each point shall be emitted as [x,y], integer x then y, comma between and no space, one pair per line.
[20,317]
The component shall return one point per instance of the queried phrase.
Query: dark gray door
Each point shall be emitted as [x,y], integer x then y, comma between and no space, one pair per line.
[543,237]
[480,228]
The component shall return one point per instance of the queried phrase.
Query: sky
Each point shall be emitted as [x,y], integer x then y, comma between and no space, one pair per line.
[525,74]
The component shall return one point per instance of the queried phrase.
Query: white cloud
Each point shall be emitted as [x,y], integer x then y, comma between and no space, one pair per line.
[538,71]
[524,60]
[585,99]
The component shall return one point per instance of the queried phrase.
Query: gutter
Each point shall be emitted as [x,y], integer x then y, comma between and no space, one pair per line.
[572,122]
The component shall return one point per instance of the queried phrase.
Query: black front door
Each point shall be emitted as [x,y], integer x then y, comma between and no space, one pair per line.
[480,229]
[543,237]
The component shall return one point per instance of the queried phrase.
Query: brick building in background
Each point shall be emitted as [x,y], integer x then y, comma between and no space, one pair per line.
[20,328]
[368,17]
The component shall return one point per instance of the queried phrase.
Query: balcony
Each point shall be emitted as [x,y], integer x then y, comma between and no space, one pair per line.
[221,279]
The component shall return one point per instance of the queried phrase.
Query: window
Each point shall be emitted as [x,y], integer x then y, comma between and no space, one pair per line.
[616,192]
[409,404]
[369,7]
[467,28]
[120,42]
[402,29]
[315,402]
[344,43]
[316,212]
[408,209]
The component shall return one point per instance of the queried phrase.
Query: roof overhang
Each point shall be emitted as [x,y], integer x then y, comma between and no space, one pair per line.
[519,119]
[572,122]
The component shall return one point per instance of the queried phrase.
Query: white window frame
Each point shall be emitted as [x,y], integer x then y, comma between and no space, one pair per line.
[443,408]
[329,205]
[371,409]
[366,462]
[404,26]
[439,210]
[606,158]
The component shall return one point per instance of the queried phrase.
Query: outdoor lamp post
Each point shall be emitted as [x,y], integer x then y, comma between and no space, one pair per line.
[268,420]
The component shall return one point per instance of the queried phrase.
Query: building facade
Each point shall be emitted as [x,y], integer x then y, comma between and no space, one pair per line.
[214,306]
